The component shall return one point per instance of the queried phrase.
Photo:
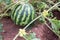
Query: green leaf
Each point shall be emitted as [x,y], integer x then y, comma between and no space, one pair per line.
[41,5]
[42,19]
[1,26]
[8,1]
[55,25]
[31,36]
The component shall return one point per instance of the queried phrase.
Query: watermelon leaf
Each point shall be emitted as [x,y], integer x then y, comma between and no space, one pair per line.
[55,25]
[1,25]
[31,36]
[41,5]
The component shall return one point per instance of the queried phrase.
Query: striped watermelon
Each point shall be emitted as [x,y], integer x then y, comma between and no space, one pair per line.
[23,14]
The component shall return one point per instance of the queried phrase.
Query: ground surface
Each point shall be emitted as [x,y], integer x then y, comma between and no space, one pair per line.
[41,30]
[11,30]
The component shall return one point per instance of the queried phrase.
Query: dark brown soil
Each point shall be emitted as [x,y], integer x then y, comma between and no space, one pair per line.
[40,29]
[56,14]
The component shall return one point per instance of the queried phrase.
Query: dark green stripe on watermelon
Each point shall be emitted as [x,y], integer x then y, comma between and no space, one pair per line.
[27,18]
[26,12]
[12,15]
[17,13]
[21,15]
[30,13]
[33,13]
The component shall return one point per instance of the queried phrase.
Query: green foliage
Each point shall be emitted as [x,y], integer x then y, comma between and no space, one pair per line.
[31,36]
[42,19]
[58,0]
[1,37]
[24,0]
[8,1]
[55,25]
[1,1]
[44,0]
[41,5]
[1,26]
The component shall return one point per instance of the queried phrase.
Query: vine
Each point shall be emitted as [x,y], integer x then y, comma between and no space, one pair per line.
[38,18]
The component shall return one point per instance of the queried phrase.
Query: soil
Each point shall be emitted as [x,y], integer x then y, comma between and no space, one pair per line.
[56,14]
[10,30]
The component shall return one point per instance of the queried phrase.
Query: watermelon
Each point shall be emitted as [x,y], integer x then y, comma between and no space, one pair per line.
[23,14]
